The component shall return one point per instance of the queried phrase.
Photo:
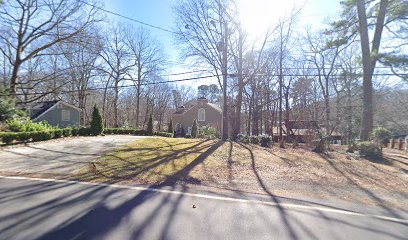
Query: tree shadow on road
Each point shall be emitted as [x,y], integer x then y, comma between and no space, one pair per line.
[101,219]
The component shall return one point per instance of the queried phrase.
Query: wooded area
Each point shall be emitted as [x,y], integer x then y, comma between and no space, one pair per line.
[349,77]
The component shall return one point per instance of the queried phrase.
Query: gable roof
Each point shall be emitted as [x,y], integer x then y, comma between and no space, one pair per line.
[215,107]
[184,110]
[41,108]
[180,110]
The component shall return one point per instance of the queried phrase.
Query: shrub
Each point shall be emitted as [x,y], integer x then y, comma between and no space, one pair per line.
[150,126]
[170,128]
[187,136]
[75,131]
[164,134]
[381,136]
[352,147]
[254,139]
[243,138]
[108,131]
[194,129]
[265,140]
[42,135]
[370,150]
[67,132]
[58,133]
[97,122]
[209,132]
[136,132]
[24,124]
[84,131]
[23,136]
[140,132]
[8,137]
[8,109]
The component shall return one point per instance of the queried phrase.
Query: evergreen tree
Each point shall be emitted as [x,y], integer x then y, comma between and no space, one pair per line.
[194,129]
[8,109]
[97,122]
[150,126]
[170,128]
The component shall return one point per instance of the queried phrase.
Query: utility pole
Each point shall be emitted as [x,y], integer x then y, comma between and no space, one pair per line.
[224,127]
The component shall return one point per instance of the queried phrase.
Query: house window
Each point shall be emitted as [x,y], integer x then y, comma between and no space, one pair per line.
[201,114]
[65,115]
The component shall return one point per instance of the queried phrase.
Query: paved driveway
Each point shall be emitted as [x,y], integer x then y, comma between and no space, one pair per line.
[59,157]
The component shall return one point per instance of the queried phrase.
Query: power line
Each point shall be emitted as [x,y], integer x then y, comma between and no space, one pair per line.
[128,18]
[177,80]
[183,73]
[112,87]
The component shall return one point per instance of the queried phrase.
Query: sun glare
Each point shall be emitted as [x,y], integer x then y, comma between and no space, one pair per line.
[257,15]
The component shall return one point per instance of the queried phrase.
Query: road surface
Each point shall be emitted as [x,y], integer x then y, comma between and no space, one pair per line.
[50,209]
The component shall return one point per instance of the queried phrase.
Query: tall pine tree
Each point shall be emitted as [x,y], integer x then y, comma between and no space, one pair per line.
[97,122]
[150,126]
[170,128]
[194,129]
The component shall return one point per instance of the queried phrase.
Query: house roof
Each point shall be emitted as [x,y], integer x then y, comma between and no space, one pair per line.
[180,110]
[215,107]
[40,107]
[192,103]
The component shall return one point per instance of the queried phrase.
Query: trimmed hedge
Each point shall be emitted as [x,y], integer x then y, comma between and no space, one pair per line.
[42,136]
[137,132]
[125,131]
[67,132]
[84,131]
[10,137]
[35,136]
[163,134]
[58,133]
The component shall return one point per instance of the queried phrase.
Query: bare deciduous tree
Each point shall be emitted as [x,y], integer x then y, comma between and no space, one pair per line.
[29,27]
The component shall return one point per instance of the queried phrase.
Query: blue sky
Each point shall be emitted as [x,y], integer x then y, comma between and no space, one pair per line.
[257,15]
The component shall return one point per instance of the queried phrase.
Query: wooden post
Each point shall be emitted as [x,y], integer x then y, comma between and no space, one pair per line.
[400,144]
[392,143]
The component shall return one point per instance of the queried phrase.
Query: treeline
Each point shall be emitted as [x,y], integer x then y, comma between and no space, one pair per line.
[65,49]
[297,73]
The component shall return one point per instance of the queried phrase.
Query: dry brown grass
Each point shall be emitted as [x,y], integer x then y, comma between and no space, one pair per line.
[281,172]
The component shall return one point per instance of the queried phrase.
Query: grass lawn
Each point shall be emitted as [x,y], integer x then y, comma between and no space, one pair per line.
[149,161]
[249,168]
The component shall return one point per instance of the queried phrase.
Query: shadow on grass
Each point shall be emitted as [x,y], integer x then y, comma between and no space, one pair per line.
[94,212]
[100,220]
[347,174]
[152,167]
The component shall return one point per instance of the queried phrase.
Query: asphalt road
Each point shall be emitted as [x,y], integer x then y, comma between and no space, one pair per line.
[45,209]
[60,156]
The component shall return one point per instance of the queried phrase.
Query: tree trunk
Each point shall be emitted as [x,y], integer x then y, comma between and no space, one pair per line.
[327,113]
[115,103]
[14,77]
[281,143]
[139,75]
[224,84]
[369,61]
[238,106]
